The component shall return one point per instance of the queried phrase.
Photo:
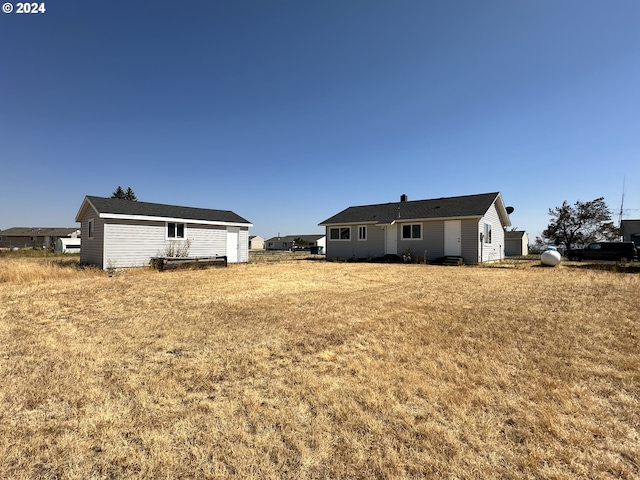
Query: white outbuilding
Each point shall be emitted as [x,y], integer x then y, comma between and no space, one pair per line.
[125,233]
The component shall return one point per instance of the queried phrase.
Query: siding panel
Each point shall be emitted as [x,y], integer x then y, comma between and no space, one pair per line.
[133,244]
[91,249]
[244,245]
[470,240]
[372,247]
[494,250]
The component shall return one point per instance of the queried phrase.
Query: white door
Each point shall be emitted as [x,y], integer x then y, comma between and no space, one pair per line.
[452,237]
[233,244]
[392,239]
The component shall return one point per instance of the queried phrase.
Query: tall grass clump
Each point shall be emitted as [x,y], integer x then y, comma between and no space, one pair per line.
[42,269]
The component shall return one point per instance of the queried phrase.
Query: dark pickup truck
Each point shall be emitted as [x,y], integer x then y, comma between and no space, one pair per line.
[618,251]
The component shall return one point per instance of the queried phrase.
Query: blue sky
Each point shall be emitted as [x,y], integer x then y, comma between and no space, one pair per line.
[287,112]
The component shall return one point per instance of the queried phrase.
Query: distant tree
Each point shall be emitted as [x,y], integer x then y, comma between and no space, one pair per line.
[538,246]
[580,224]
[122,195]
[119,193]
[129,195]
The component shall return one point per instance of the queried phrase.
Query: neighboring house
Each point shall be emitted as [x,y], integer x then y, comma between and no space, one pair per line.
[124,233]
[35,237]
[290,242]
[256,242]
[471,227]
[630,231]
[516,243]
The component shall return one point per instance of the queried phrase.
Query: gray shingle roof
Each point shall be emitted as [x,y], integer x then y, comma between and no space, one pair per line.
[514,235]
[289,238]
[38,231]
[127,207]
[385,213]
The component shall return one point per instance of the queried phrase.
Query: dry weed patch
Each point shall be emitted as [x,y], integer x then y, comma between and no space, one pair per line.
[310,369]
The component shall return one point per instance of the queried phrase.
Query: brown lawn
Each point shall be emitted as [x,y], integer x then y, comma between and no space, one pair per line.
[311,369]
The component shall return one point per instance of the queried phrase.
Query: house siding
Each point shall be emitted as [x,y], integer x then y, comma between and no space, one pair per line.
[431,244]
[21,241]
[207,240]
[470,240]
[354,248]
[244,245]
[132,244]
[92,248]
[495,250]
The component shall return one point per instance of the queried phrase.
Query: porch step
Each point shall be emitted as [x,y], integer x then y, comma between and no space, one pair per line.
[452,261]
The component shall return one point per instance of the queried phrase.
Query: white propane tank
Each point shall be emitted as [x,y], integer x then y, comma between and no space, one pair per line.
[550,258]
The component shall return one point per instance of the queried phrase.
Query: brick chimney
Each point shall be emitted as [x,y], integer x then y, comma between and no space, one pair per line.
[404,198]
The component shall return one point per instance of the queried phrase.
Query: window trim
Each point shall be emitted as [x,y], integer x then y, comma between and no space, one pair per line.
[488,234]
[411,225]
[362,229]
[175,237]
[340,229]
[91,229]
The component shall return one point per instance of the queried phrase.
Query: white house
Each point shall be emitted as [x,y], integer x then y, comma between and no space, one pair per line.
[470,227]
[125,233]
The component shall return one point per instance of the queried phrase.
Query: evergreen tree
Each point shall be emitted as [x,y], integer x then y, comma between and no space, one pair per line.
[122,195]
[129,195]
[119,193]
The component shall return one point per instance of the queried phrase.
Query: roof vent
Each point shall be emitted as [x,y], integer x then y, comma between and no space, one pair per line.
[404,198]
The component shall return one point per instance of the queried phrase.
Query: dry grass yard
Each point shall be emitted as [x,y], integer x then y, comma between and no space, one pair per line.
[310,369]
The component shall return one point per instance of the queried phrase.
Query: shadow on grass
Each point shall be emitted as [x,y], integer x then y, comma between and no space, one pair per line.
[316,258]
[608,267]
[74,264]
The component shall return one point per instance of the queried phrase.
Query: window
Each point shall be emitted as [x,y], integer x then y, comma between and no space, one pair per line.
[412,232]
[340,233]
[90,228]
[362,232]
[175,230]
[487,233]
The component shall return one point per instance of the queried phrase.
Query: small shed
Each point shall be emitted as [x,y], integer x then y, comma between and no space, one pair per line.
[630,231]
[516,243]
[126,233]
[256,242]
